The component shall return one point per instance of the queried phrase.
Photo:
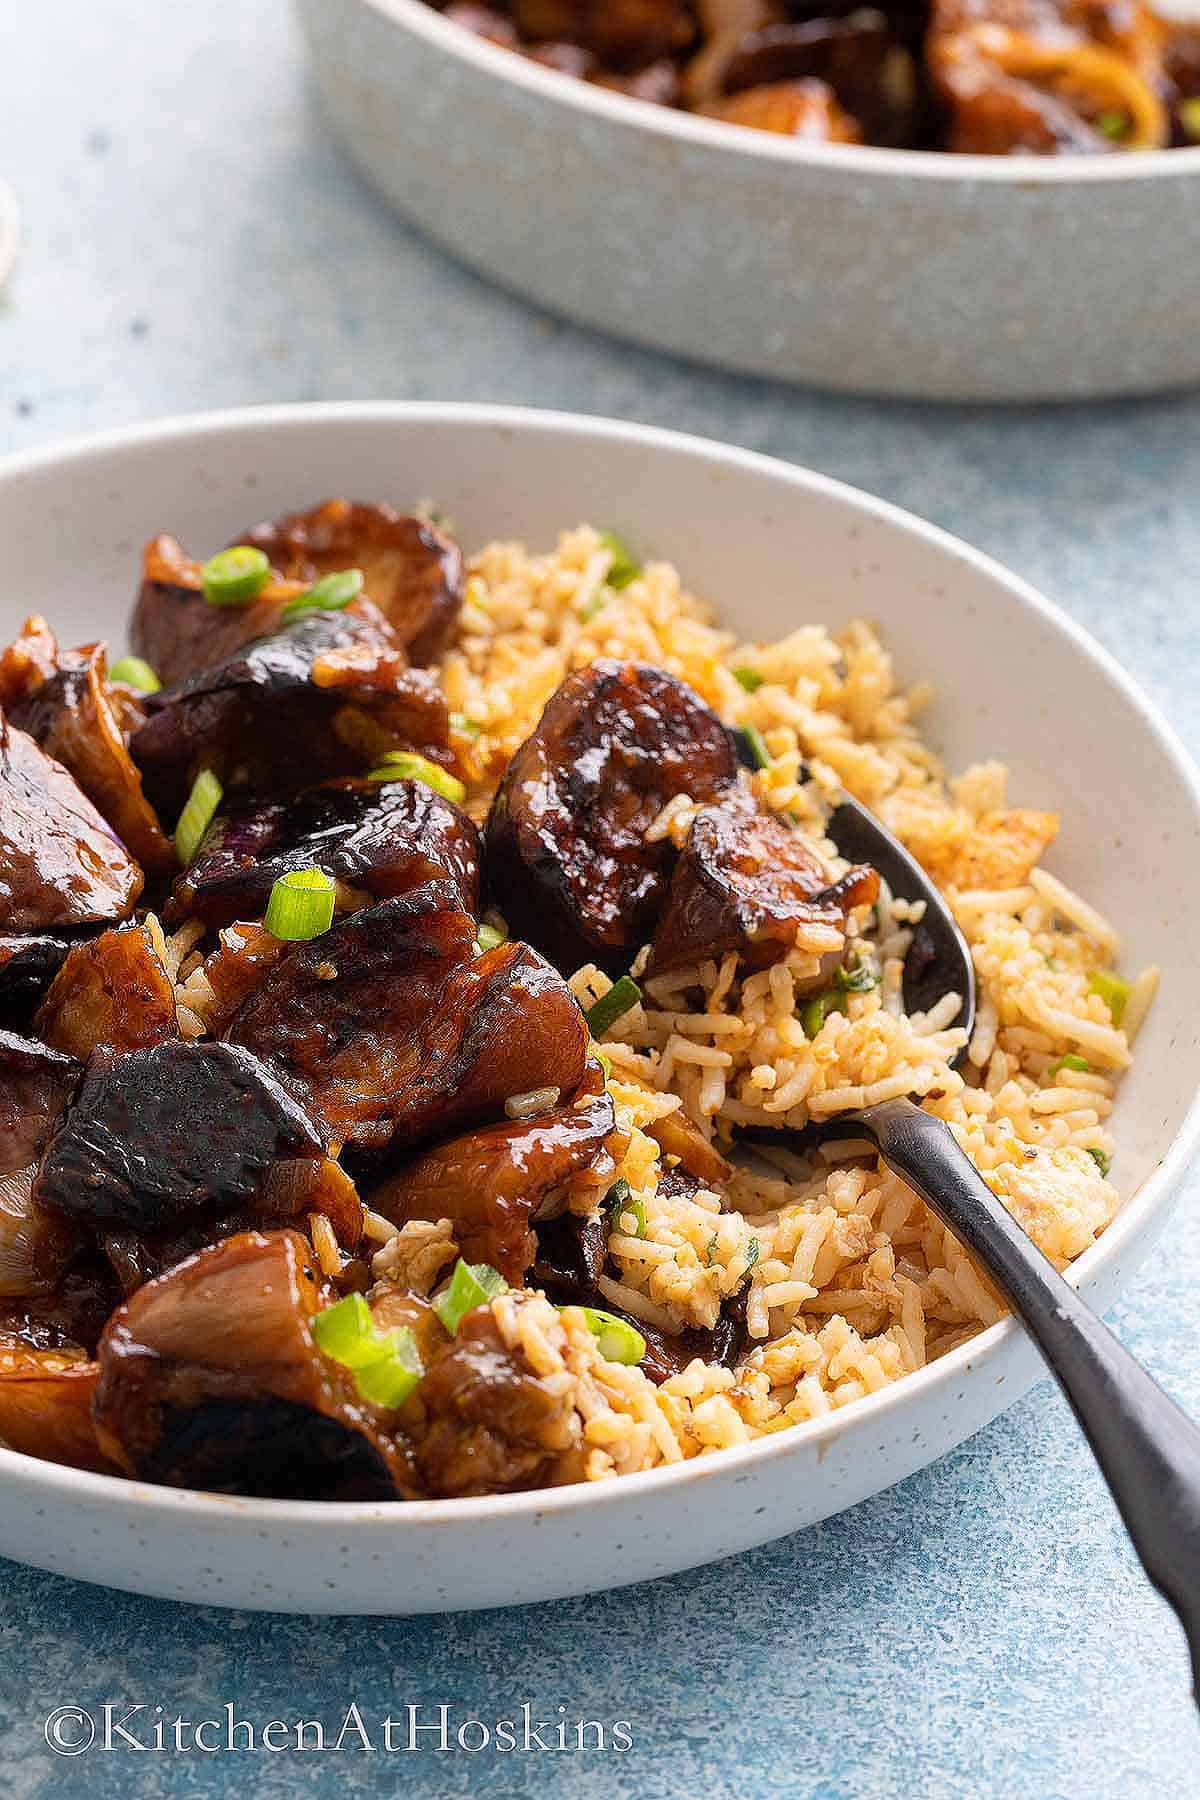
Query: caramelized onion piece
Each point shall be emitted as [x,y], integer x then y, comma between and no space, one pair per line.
[72,717]
[412,571]
[36,1246]
[60,862]
[210,1377]
[46,1406]
[492,1183]
[112,990]
[176,630]
[158,1136]
[35,1084]
[384,837]
[566,852]
[747,882]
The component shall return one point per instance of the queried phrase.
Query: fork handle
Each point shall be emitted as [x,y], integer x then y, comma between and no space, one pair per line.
[1147,1448]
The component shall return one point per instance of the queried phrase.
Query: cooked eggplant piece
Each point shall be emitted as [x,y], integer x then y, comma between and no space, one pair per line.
[29,661]
[46,1406]
[385,837]
[322,697]
[347,1018]
[746,882]
[29,962]
[670,1355]
[210,1377]
[112,991]
[175,628]
[244,954]
[865,71]
[35,1085]
[801,109]
[625,34]
[490,1425]
[156,1137]
[570,1258]
[412,571]
[492,1183]
[73,719]
[72,1314]
[60,862]
[567,858]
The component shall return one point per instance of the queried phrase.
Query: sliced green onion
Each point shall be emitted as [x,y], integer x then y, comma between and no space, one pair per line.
[406,765]
[859,980]
[636,1209]
[617,1198]
[393,1376]
[1102,1160]
[233,577]
[197,815]
[386,1365]
[602,1057]
[471,1285]
[1080,1064]
[1112,124]
[752,1251]
[301,905]
[625,566]
[465,725]
[330,594]
[750,679]
[621,997]
[490,936]
[135,674]
[710,1249]
[616,1339]
[1189,117]
[814,1013]
[1114,990]
[754,748]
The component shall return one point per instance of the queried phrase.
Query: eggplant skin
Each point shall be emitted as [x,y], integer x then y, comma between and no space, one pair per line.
[209,1376]
[61,864]
[161,1135]
[412,571]
[112,990]
[566,856]
[28,964]
[385,837]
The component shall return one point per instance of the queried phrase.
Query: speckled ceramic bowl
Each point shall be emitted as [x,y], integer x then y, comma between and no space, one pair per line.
[772,546]
[874,271]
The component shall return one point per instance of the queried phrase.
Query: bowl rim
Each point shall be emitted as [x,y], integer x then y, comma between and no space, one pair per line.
[1137,1213]
[1022,171]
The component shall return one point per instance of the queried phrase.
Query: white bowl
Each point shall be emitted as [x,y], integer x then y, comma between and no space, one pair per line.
[875,271]
[773,546]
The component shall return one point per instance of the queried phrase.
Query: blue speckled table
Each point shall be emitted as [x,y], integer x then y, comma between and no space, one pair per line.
[194,239]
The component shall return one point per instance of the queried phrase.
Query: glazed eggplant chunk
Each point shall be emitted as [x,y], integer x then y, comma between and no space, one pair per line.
[110,991]
[60,862]
[567,859]
[494,1182]
[46,1406]
[746,882]
[155,1137]
[385,838]
[412,571]
[29,962]
[210,1377]
[319,698]
[175,629]
[35,1084]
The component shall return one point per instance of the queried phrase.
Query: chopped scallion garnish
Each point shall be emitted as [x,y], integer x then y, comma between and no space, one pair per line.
[330,594]
[301,905]
[471,1285]
[1079,1064]
[1113,125]
[588,612]
[1114,990]
[625,566]
[602,1057]
[490,936]
[750,679]
[636,1210]
[752,747]
[859,980]
[1102,1160]
[814,1012]
[234,577]
[752,1251]
[406,765]
[395,1375]
[465,725]
[386,1365]
[617,1198]
[616,1339]
[621,997]
[197,815]
[135,674]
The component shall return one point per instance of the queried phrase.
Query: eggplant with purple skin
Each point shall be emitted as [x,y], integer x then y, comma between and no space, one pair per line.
[746,882]
[567,859]
[176,630]
[210,1377]
[412,571]
[73,717]
[61,864]
[156,1137]
[492,1183]
[112,990]
[324,696]
[393,1032]
[29,961]
[385,837]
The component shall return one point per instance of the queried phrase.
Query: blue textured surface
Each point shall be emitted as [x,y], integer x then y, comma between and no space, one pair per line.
[194,239]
